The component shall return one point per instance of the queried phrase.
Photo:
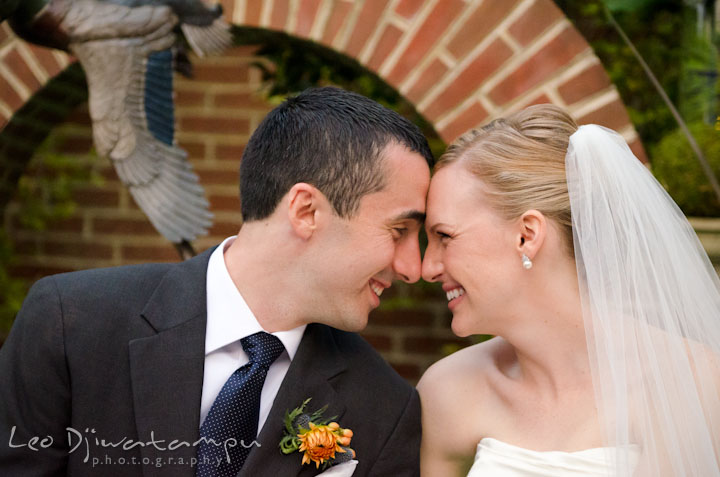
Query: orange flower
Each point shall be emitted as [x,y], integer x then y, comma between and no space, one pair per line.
[320,443]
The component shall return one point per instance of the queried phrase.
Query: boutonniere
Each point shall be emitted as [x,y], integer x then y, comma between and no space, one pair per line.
[322,440]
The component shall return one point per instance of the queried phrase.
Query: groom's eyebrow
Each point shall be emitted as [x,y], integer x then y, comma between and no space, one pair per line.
[415,215]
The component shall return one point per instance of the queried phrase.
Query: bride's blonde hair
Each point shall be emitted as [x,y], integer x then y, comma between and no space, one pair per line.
[521,160]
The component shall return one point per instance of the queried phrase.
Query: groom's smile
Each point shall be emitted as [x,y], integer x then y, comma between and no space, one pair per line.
[379,243]
[377,288]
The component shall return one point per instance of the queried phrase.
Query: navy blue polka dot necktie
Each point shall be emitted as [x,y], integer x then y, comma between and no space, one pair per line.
[230,428]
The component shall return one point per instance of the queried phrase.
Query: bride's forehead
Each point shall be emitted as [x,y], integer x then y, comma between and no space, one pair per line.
[456,183]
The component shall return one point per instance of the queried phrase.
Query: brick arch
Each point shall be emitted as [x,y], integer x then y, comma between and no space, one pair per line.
[448,61]
[24,70]
[460,63]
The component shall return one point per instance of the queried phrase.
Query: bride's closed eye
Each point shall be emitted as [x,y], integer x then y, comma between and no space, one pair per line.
[442,236]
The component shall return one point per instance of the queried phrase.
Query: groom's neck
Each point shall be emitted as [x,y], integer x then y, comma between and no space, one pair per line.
[263,272]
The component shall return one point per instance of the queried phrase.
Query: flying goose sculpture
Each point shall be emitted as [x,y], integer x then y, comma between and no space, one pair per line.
[128,49]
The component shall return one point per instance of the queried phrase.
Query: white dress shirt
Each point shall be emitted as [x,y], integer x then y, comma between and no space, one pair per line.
[229,319]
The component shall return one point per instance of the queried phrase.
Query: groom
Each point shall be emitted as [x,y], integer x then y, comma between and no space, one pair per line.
[121,371]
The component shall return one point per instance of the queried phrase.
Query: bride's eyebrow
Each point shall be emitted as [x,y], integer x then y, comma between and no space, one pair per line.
[435,226]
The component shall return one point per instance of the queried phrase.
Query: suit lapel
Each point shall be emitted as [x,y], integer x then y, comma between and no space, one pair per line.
[167,368]
[317,361]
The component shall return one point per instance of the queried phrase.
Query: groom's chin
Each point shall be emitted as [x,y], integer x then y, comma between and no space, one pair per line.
[357,323]
[346,322]
[355,326]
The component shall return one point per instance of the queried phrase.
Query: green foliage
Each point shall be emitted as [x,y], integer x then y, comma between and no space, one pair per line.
[12,290]
[43,196]
[398,302]
[654,27]
[676,168]
[627,5]
[47,194]
[685,61]
[699,81]
[294,64]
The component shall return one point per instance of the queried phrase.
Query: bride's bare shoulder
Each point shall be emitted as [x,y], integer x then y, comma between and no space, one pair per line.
[459,384]
[473,363]
[457,405]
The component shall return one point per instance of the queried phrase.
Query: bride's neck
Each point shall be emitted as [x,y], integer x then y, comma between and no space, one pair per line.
[548,335]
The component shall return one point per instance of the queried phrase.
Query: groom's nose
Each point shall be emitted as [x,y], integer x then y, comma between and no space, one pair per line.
[406,262]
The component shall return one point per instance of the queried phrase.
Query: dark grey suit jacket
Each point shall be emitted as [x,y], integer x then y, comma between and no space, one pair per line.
[108,364]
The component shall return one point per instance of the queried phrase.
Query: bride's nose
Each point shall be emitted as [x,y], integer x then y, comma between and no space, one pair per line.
[432,266]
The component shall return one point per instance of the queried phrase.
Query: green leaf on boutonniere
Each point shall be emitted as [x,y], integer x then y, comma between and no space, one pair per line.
[290,442]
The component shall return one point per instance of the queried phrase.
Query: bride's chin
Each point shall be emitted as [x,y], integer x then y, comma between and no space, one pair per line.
[459,329]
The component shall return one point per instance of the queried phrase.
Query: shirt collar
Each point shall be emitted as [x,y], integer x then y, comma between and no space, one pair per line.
[229,318]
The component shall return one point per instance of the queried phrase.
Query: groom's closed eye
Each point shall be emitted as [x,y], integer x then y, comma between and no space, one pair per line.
[406,223]
[399,232]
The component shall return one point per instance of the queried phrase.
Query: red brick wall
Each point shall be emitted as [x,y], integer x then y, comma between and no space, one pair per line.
[215,114]
[461,63]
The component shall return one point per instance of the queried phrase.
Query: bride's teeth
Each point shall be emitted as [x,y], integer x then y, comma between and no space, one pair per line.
[378,290]
[454,293]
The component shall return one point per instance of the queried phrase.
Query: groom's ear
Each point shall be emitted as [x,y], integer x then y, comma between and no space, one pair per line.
[532,233]
[305,204]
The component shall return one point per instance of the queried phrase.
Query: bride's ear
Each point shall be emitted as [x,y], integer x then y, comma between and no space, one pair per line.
[532,233]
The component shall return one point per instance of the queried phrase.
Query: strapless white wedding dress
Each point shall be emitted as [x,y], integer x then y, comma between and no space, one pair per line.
[498,459]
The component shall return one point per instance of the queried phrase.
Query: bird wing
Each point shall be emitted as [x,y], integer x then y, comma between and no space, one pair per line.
[131,107]
[87,20]
[203,25]
[208,39]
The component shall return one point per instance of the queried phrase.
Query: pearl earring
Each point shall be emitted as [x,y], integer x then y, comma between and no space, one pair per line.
[526,262]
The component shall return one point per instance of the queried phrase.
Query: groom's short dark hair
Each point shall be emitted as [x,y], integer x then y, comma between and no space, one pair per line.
[327,137]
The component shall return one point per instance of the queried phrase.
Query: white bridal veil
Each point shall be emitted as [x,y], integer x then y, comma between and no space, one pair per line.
[651,308]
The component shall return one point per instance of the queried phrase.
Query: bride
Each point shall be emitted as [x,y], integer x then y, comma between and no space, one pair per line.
[605,308]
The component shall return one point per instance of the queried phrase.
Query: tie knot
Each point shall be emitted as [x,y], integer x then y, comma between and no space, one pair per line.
[262,348]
